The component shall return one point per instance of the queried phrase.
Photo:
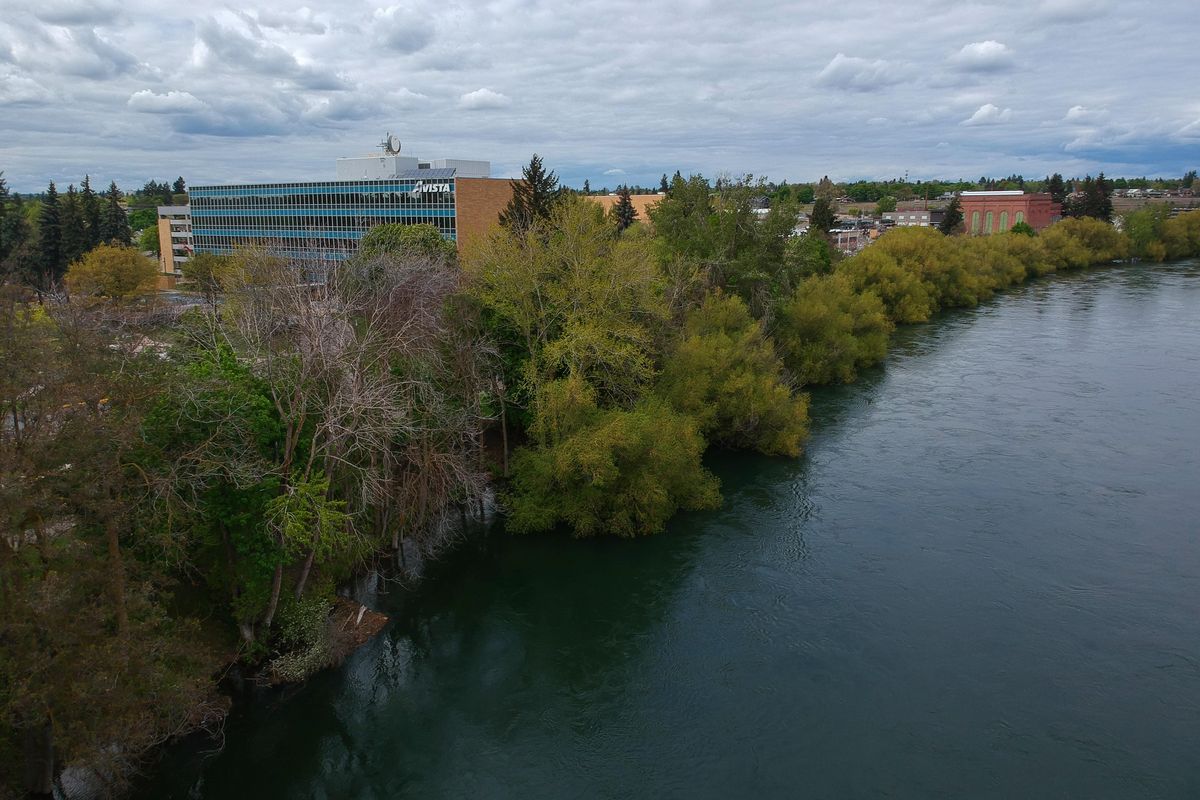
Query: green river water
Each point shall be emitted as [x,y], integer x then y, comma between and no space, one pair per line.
[982,580]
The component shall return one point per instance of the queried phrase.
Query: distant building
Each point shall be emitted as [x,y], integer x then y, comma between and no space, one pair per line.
[642,203]
[996,212]
[174,243]
[910,218]
[324,220]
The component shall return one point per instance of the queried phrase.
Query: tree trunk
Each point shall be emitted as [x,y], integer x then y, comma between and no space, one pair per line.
[504,433]
[308,562]
[39,761]
[276,583]
[117,568]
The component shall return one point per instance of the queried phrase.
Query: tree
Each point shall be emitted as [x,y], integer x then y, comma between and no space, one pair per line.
[7,237]
[50,240]
[885,204]
[587,187]
[114,224]
[406,240]
[534,197]
[179,187]
[91,206]
[725,374]
[114,271]
[826,191]
[822,219]
[952,218]
[148,240]
[1023,228]
[72,225]
[1189,179]
[663,186]
[623,212]
[1056,188]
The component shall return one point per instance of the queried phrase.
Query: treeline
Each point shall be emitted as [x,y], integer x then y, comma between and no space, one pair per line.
[40,239]
[183,489]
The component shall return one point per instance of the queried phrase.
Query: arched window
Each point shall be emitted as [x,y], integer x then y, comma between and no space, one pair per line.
[974,222]
[1003,220]
[1020,216]
[990,219]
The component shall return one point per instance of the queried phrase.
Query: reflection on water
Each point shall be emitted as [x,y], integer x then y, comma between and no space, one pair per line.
[981,580]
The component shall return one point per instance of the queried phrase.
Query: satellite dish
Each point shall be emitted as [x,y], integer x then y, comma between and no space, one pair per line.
[391,145]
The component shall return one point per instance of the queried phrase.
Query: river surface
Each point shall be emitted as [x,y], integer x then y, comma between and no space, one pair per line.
[982,580]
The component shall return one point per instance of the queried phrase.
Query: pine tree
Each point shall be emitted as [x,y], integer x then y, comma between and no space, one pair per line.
[623,211]
[5,244]
[1100,202]
[90,204]
[587,187]
[114,224]
[73,242]
[533,197]
[179,187]
[50,240]
[1056,188]
[826,190]
[822,218]
[952,219]
[663,186]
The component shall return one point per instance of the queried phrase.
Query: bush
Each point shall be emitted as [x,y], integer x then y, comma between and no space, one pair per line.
[828,330]
[115,271]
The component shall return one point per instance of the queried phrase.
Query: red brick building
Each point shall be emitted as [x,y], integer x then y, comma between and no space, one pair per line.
[996,212]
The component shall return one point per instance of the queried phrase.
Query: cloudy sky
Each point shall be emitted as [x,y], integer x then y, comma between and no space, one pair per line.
[610,90]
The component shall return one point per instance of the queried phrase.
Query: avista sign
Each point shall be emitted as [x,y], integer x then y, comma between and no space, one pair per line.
[429,188]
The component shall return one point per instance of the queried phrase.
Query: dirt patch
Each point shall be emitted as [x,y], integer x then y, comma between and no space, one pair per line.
[353,626]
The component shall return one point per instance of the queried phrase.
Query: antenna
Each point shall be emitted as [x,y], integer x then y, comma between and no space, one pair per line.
[390,144]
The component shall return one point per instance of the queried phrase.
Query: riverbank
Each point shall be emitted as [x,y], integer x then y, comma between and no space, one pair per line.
[977,582]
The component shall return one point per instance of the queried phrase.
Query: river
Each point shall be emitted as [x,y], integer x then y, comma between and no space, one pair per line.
[981,580]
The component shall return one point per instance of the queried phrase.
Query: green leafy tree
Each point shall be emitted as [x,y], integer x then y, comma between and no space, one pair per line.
[114,271]
[148,240]
[1023,228]
[828,331]
[952,218]
[623,212]
[406,240]
[725,374]
[827,191]
[885,204]
[607,471]
[534,197]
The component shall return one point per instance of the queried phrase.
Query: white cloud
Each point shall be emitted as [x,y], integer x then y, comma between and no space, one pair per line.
[1081,115]
[861,75]
[402,29]
[988,114]
[614,171]
[171,102]
[989,56]
[483,99]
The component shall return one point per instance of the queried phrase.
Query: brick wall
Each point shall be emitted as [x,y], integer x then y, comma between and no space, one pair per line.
[478,203]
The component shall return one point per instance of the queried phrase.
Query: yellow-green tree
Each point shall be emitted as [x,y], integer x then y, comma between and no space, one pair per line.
[827,331]
[111,270]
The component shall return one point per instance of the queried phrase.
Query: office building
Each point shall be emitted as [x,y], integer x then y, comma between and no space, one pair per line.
[324,220]
[174,243]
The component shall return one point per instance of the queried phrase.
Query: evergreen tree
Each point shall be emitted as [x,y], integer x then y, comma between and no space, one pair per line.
[179,187]
[114,224]
[1099,203]
[623,211]
[587,187]
[822,218]
[50,236]
[663,186]
[1189,178]
[1056,188]
[73,242]
[952,220]
[826,191]
[90,204]
[5,244]
[534,196]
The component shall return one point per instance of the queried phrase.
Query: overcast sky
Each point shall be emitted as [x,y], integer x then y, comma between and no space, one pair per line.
[609,90]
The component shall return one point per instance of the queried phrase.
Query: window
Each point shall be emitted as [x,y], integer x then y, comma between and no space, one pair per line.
[988,224]
[1003,220]
[1020,216]
[974,222]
